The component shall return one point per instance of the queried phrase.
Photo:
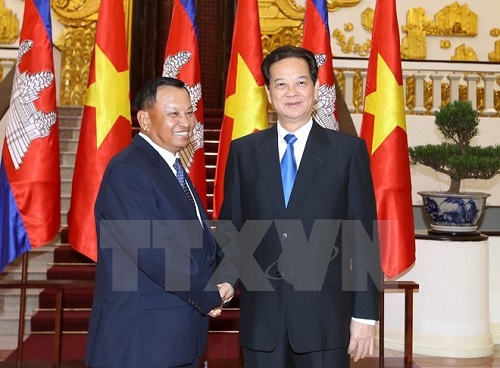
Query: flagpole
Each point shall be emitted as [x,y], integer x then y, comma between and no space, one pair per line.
[22,310]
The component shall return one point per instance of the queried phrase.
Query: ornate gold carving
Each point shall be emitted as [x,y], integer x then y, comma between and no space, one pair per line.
[350,46]
[454,20]
[76,48]
[333,5]
[495,32]
[495,54]
[445,44]
[367,17]
[280,24]
[414,45]
[281,21]
[76,43]
[357,92]
[76,13]
[410,94]
[464,53]
[9,25]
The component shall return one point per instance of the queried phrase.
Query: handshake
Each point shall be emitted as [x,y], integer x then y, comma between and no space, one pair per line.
[226,292]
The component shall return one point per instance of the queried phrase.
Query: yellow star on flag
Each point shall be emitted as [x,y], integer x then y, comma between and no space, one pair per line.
[109,94]
[386,104]
[248,105]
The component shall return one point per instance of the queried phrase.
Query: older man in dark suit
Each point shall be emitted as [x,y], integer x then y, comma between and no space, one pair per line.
[157,256]
[313,298]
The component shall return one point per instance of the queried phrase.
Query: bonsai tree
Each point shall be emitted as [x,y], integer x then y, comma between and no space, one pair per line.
[458,122]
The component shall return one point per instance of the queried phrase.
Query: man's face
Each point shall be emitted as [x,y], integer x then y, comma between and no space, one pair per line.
[291,92]
[170,122]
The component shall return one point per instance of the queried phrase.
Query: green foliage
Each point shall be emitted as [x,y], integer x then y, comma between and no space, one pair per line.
[458,122]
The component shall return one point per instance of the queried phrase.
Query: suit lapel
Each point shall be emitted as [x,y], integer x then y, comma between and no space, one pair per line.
[310,165]
[268,159]
[166,174]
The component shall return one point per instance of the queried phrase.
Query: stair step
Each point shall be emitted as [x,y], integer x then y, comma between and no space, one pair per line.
[72,298]
[68,132]
[67,111]
[66,254]
[10,300]
[9,323]
[44,321]
[68,145]
[66,272]
[67,158]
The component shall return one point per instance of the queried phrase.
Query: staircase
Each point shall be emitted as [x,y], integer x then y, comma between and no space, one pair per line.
[60,261]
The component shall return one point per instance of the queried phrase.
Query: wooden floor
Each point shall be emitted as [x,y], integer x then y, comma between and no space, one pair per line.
[392,360]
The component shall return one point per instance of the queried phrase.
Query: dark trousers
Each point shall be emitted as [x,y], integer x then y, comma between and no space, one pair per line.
[283,356]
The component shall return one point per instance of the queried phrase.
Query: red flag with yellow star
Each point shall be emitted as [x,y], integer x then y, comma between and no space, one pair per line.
[245,109]
[384,129]
[106,127]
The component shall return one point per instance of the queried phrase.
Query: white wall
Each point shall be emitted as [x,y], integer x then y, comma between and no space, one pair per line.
[421,130]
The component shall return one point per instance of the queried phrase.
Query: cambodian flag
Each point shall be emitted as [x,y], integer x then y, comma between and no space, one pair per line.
[316,38]
[29,170]
[182,61]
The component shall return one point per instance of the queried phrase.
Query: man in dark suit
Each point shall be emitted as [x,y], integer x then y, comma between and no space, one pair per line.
[310,270]
[153,288]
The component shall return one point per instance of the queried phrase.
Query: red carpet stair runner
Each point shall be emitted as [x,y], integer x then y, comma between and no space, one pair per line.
[223,344]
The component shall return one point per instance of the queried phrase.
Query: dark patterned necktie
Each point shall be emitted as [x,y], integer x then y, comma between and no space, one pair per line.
[288,167]
[182,181]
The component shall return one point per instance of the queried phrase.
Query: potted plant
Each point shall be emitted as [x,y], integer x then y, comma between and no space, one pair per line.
[456,211]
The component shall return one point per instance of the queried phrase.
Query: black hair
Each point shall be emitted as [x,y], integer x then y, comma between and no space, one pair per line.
[146,97]
[286,52]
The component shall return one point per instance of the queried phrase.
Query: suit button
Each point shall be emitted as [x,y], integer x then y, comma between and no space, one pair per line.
[284,236]
[278,274]
[212,263]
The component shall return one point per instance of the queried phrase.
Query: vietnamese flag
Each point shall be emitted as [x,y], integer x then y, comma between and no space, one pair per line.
[245,109]
[106,127]
[29,169]
[182,61]
[384,129]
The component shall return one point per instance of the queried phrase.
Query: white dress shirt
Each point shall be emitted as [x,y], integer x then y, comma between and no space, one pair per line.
[298,149]
[169,158]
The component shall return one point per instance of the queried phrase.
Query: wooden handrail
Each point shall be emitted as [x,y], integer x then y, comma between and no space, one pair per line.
[60,285]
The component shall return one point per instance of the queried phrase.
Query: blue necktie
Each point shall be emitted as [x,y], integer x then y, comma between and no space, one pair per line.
[182,181]
[288,167]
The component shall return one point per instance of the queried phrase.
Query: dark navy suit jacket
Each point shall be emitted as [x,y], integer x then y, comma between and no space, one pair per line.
[154,268]
[321,272]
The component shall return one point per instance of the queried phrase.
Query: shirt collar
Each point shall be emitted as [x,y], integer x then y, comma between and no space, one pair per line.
[168,156]
[302,133]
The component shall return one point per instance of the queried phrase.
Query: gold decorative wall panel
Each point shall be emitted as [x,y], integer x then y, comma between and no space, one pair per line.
[9,25]
[76,43]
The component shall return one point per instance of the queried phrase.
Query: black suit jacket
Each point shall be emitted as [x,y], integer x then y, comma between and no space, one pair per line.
[153,267]
[323,269]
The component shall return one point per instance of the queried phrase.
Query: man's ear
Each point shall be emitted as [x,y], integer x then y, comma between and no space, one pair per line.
[143,119]
[268,94]
[316,89]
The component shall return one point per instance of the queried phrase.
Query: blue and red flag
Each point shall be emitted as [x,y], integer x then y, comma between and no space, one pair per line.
[316,38]
[29,170]
[182,61]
